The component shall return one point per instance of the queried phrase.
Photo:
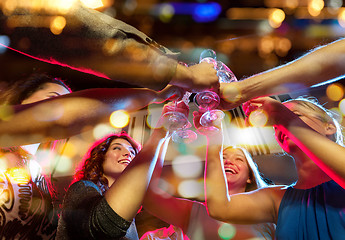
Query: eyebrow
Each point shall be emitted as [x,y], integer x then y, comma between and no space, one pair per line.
[130,148]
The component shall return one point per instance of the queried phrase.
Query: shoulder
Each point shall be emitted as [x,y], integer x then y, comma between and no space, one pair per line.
[83,187]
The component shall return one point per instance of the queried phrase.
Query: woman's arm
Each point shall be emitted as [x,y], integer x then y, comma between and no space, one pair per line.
[67,115]
[320,65]
[175,211]
[243,208]
[328,155]
[126,194]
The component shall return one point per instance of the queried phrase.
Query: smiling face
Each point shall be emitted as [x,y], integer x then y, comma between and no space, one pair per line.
[119,154]
[48,90]
[236,168]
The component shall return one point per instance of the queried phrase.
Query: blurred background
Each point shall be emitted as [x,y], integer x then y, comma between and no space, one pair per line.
[249,36]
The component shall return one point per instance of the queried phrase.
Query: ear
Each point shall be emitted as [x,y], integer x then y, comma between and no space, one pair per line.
[330,129]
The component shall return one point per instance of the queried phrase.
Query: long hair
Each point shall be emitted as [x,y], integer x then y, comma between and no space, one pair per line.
[256,179]
[311,107]
[91,167]
[22,89]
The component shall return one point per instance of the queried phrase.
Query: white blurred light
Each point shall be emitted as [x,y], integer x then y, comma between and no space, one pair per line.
[101,130]
[187,166]
[119,119]
[92,3]
[190,188]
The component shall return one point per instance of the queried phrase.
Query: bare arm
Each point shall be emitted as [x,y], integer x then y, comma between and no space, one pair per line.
[120,52]
[244,208]
[320,65]
[67,115]
[328,155]
[126,194]
[175,211]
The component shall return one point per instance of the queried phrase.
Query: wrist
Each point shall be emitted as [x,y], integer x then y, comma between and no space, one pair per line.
[182,76]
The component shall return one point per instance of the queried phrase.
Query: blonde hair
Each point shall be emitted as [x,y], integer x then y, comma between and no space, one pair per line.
[311,107]
[255,176]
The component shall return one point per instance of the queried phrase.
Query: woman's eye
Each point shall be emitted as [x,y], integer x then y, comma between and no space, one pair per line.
[116,148]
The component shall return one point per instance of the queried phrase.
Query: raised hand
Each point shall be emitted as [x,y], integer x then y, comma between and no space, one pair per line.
[196,78]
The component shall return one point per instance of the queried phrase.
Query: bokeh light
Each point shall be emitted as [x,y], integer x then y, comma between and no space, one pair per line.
[187,166]
[92,3]
[258,118]
[276,17]
[3,164]
[166,12]
[70,150]
[342,106]
[335,92]
[64,164]
[57,25]
[119,119]
[101,130]
[226,231]
[4,40]
[19,175]
[231,93]
[190,188]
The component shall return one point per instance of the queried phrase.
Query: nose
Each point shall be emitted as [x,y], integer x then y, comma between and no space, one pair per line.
[126,153]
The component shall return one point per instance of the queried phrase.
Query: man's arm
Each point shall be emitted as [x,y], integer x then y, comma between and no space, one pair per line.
[120,52]
[67,115]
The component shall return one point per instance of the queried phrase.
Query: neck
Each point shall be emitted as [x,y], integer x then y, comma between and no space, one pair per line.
[234,189]
[309,174]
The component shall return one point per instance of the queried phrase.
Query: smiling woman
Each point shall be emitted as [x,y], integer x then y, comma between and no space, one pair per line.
[110,187]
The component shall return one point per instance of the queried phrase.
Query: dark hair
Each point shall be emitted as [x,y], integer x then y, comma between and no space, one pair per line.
[92,166]
[22,89]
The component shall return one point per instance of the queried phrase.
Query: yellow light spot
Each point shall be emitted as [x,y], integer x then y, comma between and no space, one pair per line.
[276,17]
[335,92]
[3,164]
[231,93]
[341,17]
[166,13]
[342,106]
[119,119]
[57,25]
[19,175]
[69,150]
[258,118]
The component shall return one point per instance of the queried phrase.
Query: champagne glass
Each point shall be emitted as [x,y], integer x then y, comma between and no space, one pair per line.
[178,123]
[208,100]
[184,135]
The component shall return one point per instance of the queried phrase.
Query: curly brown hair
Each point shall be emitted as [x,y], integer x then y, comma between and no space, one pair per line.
[91,167]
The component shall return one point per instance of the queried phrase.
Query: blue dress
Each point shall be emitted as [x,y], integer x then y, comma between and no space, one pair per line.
[315,213]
